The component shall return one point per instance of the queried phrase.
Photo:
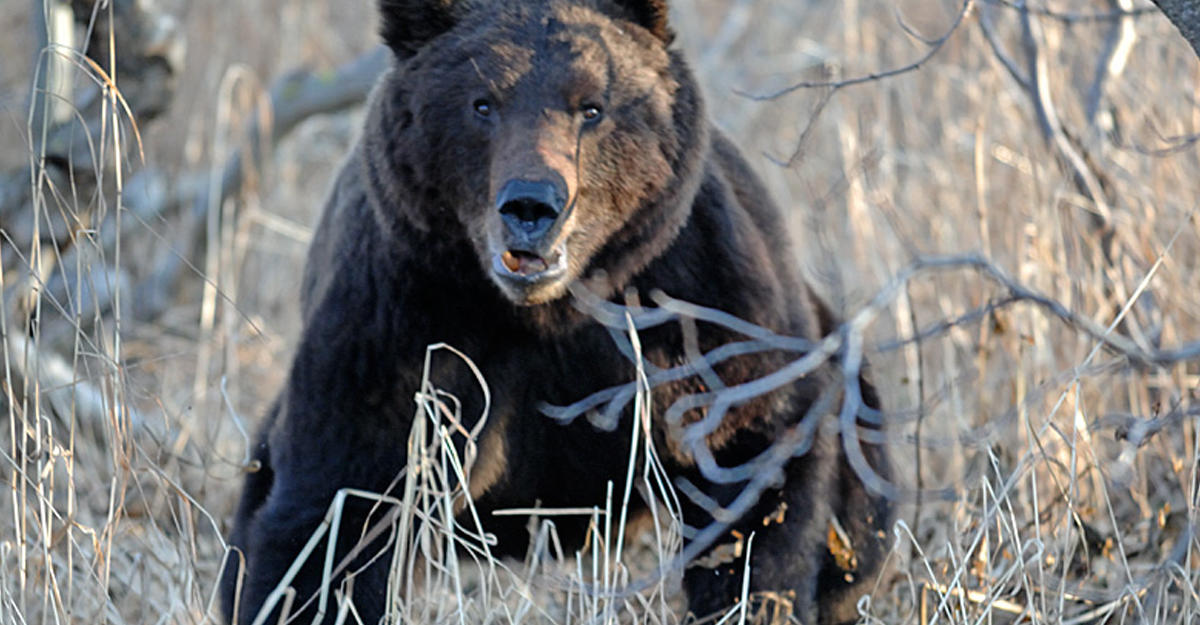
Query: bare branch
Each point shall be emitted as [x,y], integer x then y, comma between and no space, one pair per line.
[1175,145]
[843,346]
[294,98]
[1075,18]
[1118,44]
[1010,65]
[935,46]
[62,391]
[1052,126]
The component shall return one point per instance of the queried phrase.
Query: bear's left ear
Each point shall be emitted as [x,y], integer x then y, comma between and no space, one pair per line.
[407,25]
[652,15]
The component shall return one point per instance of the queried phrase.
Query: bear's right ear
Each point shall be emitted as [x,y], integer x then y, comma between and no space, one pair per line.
[407,25]
[652,15]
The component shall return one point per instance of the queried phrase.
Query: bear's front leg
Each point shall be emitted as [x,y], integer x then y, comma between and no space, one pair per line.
[309,458]
[784,536]
[277,536]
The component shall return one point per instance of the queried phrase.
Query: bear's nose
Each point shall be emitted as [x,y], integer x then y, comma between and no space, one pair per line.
[529,208]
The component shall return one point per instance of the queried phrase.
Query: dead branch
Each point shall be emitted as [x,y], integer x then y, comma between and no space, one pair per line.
[54,384]
[1124,11]
[152,54]
[294,98]
[935,46]
[1177,145]
[70,158]
[843,349]
[1118,44]
[845,346]
[1009,64]
[150,57]
[1052,126]
[73,166]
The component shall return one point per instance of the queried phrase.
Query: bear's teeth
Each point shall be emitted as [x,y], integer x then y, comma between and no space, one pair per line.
[510,261]
[523,263]
[533,265]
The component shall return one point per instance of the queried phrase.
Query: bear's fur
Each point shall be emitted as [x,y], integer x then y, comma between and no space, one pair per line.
[622,186]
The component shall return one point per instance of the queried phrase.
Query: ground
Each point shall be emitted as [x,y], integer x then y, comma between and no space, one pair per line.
[1055,505]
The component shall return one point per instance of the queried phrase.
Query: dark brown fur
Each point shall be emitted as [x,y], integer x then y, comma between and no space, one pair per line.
[644,196]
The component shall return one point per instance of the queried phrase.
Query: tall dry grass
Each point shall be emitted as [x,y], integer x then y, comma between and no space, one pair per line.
[1056,479]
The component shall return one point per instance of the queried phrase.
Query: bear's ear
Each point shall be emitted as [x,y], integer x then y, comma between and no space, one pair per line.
[407,25]
[652,15]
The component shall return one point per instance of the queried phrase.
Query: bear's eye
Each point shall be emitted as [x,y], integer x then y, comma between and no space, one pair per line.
[591,112]
[482,107]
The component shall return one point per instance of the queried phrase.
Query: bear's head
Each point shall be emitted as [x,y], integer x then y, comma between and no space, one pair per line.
[559,139]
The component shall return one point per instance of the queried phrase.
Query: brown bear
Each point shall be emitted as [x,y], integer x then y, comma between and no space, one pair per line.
[516,152]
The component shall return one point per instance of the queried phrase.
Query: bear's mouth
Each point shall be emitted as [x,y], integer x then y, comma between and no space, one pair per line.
[525,274]
[523,263]
[527,268]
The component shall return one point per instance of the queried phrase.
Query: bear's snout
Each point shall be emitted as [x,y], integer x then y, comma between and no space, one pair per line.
[529,258]
[529,210]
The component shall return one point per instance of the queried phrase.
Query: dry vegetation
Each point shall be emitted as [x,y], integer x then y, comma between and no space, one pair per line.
[1047,447]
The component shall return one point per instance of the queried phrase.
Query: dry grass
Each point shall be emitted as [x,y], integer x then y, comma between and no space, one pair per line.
[1071,473]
